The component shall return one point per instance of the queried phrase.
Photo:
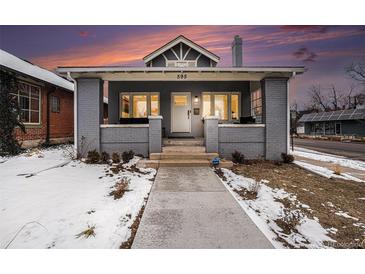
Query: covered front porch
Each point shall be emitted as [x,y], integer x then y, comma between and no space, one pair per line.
[229,109]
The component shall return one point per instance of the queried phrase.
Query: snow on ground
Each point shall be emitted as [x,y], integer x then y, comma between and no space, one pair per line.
[325,172]
[49,209]
[267,211]
[330,158]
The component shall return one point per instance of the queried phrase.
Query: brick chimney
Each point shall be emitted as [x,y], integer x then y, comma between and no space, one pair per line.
[237,51]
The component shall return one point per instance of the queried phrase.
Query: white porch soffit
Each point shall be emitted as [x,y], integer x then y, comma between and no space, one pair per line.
[177,40]
[181,74]
[16,64]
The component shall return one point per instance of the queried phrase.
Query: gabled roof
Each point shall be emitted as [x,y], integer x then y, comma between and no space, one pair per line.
[177,40]
[338,115]
[14,63]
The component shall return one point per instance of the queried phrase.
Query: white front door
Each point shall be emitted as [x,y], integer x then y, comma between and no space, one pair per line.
[181,112]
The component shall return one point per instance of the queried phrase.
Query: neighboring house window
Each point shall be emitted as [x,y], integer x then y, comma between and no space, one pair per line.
[256,105]
[225,105]
[29,100]
[139,105]
[55,104]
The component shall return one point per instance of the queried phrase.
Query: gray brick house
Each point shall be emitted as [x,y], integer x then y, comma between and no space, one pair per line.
[182,94]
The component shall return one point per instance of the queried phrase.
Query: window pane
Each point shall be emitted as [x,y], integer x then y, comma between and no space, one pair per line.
[24,102]
[24,89]
[124,109]
[34,104]
[234,106]
[24,116]
[34,117]
[154,105]
[139,106]
[221,106]
[206,106]
[34,92]
[180,100]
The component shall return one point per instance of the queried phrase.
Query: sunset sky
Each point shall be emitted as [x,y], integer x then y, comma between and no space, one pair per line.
[323,50]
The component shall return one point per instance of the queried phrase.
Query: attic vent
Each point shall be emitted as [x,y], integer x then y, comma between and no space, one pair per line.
[181,64]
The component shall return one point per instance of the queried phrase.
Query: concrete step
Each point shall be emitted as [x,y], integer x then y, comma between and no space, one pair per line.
[145,163]
[183,155]
[183,142]
[189,149]
[183,163]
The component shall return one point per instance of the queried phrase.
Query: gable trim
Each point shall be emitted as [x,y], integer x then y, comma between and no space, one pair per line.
[177,40]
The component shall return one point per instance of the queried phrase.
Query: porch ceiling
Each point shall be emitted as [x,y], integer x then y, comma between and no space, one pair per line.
[180,74]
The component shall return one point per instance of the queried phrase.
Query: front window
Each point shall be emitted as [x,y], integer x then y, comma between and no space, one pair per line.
[256,105]
[29,100]
[221,106]
[225,105]
[139,105]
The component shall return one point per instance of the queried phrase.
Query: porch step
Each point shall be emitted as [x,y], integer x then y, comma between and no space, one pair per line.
[183,155]
[183,142]
[145,163]
[188,149]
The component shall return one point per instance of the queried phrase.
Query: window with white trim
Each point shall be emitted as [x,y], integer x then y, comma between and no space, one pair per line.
[139,104]
[225,105]
[29,100]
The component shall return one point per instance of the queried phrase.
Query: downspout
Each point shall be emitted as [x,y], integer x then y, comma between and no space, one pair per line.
[48,116]
[75,110]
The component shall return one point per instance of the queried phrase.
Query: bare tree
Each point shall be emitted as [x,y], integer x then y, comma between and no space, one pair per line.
[357,72]
[318,99]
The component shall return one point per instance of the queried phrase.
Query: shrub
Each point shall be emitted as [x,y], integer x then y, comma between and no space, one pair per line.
[104,157]
[287,158]
[9,114]
[120,188]
[127,156]
[238,157]
[115,158]
[93,157]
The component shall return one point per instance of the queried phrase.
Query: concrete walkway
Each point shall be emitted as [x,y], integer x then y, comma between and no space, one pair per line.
[190,208]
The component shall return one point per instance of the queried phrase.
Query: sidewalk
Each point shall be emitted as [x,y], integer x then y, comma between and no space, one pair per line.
[351,171]
[190,208]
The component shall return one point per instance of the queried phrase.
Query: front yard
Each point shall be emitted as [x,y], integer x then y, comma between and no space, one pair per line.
[297,208]
[70,206]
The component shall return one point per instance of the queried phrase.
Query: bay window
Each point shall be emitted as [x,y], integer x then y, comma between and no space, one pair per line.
[225,105]
[139,105]
[29,101]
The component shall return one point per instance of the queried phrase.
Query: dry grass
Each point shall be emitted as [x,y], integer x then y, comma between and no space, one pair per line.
[324,196]
[337,169]
[128,243]
[87,232]
[120,188]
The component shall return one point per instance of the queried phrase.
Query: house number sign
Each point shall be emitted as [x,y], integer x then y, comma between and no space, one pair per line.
[181,76]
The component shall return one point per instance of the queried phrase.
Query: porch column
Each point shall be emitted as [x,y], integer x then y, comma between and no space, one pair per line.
[275,116]
[211,134]
[89,114]
[155,134]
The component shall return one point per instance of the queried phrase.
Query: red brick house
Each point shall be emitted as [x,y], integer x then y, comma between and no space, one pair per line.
[46,102]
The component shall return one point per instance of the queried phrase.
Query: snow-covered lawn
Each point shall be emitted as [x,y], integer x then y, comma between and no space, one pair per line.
[49,209]
[284,220]
[329,158]
[324,169]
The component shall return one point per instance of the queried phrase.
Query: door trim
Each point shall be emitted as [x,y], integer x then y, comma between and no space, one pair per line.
[172,112]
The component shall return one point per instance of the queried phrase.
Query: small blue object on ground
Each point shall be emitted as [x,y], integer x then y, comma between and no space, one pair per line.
[216,161]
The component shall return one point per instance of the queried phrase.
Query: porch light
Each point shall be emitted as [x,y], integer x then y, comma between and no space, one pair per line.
[196,99]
